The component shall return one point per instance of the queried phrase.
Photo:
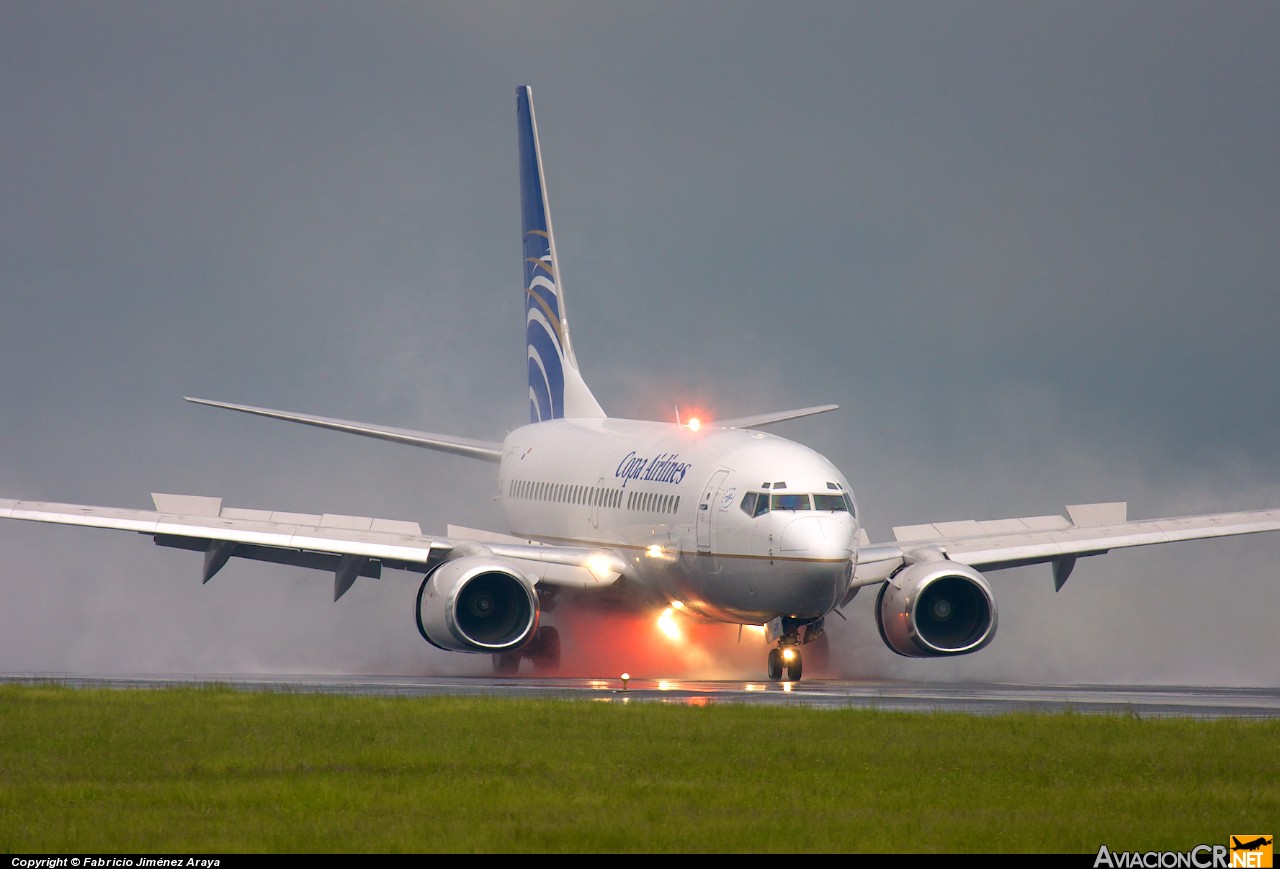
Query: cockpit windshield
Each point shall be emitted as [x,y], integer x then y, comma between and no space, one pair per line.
[831,501]
[759,503]
[789,502]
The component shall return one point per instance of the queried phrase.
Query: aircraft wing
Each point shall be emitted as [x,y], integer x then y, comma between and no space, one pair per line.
[490,451]
[346,546]
[1087,529]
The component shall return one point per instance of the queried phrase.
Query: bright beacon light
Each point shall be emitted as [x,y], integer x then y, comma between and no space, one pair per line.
[667,624]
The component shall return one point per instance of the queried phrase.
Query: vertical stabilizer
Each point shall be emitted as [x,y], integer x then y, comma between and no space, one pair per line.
[556,388]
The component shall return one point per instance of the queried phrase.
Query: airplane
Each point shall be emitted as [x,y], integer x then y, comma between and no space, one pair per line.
[718,520]
[1251,845]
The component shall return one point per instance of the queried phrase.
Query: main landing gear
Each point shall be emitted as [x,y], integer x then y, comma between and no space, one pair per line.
[786,663]
[543,650]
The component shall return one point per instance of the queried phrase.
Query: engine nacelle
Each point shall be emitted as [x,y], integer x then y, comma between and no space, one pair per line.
[936,608]
[477,604]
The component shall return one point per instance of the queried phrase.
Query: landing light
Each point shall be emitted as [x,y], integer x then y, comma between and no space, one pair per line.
[788,654]
[667,624]
[694,423]
[653,550]
[601,567]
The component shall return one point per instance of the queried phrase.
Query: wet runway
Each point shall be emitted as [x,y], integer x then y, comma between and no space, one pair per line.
[972,698]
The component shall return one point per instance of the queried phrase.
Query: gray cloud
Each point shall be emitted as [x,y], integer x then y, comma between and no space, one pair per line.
[1030,251]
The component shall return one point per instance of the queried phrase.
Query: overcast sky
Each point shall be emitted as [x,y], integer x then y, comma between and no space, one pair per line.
[1032,250]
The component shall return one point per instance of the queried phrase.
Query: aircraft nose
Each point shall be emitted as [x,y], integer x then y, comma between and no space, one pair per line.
[819,537]
[816,553]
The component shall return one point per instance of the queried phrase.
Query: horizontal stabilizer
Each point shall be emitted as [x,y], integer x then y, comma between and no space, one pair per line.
[761,419]
[490,451]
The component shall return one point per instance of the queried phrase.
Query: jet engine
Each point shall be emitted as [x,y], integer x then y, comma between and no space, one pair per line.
[477,604]
[936,608]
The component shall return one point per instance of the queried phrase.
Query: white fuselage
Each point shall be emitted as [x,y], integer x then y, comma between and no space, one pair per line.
[684,509]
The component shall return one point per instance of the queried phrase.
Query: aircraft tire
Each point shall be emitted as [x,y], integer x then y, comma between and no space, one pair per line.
[791,671]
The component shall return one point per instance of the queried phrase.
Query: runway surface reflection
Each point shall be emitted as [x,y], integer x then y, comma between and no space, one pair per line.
[974,698]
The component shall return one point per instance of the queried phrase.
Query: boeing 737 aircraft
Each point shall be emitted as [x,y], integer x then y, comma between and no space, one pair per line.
[717,519]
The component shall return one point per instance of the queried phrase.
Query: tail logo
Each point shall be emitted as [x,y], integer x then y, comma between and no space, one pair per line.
[542,329]
[542,308]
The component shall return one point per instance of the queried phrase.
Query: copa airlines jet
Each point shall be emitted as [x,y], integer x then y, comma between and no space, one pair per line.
[720,520]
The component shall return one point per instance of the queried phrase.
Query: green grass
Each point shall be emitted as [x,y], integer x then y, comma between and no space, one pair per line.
[225,771]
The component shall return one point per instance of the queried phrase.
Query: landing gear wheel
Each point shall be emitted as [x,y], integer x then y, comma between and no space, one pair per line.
[792,669]
[546,654]
[775,664]
[506,663]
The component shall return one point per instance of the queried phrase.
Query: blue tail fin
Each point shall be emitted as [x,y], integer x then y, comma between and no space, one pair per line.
[556,388]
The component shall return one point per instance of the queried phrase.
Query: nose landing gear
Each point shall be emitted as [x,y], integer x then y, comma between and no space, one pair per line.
[785,662]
